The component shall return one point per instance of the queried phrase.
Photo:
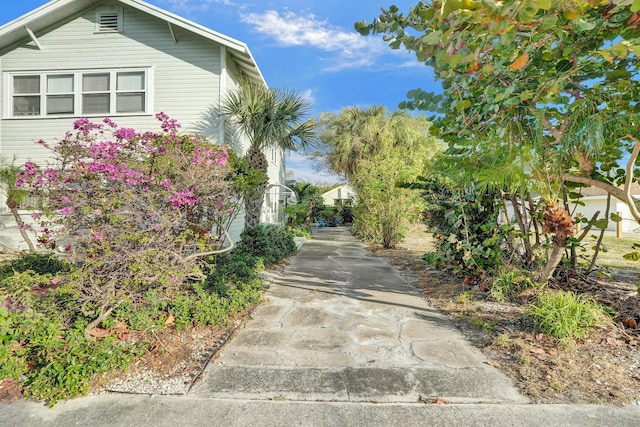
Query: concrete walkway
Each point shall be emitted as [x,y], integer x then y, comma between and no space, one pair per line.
[342,326]
[342,340]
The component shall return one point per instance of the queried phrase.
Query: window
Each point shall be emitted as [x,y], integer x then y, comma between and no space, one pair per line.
[96,93]
[80,93]
[130,92]
[60,95]
[26,96]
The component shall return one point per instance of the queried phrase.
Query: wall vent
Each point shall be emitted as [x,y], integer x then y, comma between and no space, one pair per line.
[109,21]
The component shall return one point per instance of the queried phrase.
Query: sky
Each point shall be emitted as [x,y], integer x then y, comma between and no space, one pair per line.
[307,46]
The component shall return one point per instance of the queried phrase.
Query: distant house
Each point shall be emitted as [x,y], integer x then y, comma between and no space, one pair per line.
[123,59]
[595,199]
[342,195]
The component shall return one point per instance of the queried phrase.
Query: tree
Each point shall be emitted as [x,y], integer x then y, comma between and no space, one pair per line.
[268,118]
[553,78]
[309,200]
[138,211]
[376,151]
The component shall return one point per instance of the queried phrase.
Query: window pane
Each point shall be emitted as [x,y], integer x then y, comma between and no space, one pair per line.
[130,103]
[26,105]
[95,82]
[60,104]
[26,84]
[131,81]
[95,104]
[60,84]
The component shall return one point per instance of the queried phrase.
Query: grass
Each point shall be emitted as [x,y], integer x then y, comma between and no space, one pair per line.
[565,315]
[616,247]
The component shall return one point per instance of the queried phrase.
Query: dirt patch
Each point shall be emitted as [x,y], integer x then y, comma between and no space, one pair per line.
[603,369]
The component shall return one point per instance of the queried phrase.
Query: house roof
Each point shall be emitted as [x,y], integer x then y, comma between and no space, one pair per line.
[595,191]
[38,20]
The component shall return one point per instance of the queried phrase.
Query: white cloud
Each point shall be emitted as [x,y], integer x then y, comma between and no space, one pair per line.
[349,49]
[309,95]
[306,170]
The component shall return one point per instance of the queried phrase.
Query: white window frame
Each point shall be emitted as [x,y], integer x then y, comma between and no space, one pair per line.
[78,92]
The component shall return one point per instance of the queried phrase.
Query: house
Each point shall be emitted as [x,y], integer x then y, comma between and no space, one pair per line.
[341,195]
[594,199]
[123,59]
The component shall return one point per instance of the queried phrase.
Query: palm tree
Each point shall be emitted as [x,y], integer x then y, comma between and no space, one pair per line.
[354,135]
[15,196]
[268,118]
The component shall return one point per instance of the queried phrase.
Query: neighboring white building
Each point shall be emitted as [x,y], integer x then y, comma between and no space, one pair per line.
[341,195]
[595,199]
[123,59]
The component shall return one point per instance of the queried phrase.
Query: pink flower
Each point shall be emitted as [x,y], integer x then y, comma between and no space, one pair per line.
[126,133]
[55,280]
[35,215]
[98,235]
[65,199]
[67,248]
[66,210]
[97,212]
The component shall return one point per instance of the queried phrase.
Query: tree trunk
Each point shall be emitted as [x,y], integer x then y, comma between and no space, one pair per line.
[13,207]
[528,253]
[253,207]
[559,246]
[557,221]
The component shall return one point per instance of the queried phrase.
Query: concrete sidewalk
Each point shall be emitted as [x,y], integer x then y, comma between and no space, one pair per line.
[343,340]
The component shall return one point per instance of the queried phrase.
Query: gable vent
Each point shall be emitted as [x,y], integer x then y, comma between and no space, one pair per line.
[108,21]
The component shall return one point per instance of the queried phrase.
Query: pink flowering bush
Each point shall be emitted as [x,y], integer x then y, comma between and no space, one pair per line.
[132,210]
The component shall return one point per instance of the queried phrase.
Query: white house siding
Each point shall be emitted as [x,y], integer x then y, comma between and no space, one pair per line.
[185,74]
[343,192]
[593,204]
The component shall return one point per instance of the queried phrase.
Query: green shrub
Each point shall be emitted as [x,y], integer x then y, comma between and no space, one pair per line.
[38,263]
[52,360]
[565,315]
[509,284]
[270,242]
[301,230]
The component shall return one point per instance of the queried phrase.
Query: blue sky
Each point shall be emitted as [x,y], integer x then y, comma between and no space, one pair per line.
[307,46]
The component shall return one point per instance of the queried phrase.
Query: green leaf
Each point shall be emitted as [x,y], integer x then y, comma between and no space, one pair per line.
[632,256]
[606,55]
[620,50]
[528,13]
[635,6]
[362,28]
[574,195]
[615,217]
[454,60]
[432,38]
[545,4]
[602,223]
[620,16]
[465,103]
[583,25]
